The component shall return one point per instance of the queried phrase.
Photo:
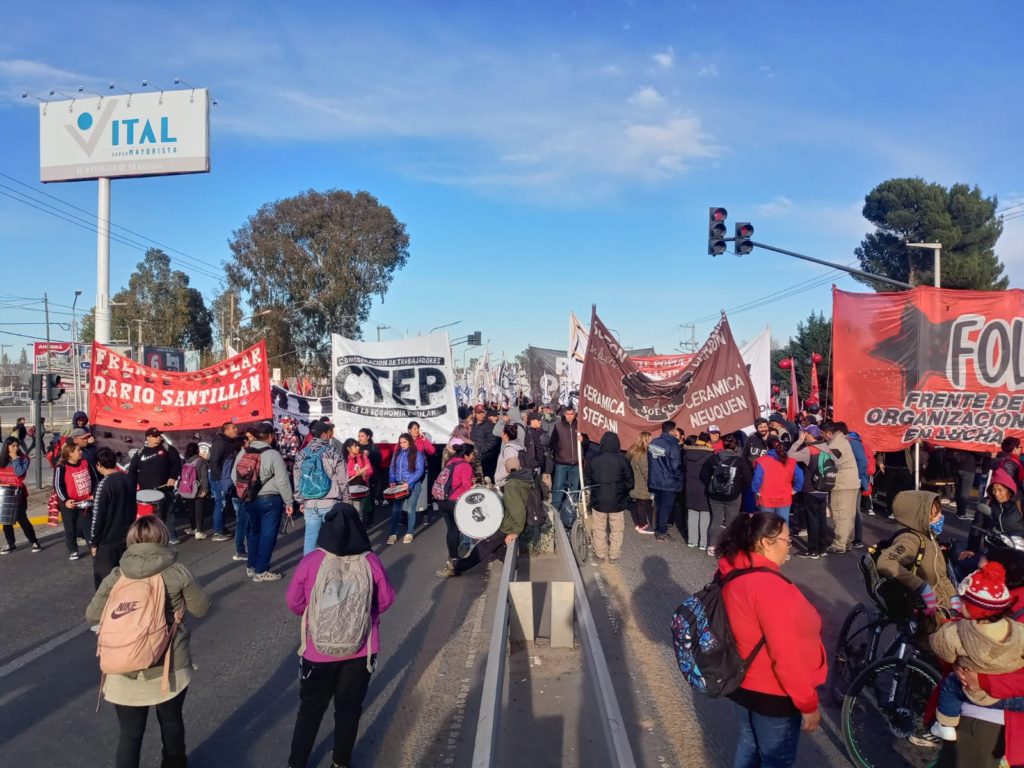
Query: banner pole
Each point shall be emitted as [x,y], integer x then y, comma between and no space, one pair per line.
[917,466]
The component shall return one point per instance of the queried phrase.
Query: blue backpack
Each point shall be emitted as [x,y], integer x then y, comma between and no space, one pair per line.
[314,482]
[704,643]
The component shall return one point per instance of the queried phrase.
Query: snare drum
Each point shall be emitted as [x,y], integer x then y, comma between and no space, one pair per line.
[358,492]
[396,491]
[10,500]
[146,502]
[478,512]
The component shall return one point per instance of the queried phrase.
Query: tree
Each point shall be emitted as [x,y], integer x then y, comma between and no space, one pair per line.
[23,357]
[912,210]
[812,335]
[173,314]
[316,260]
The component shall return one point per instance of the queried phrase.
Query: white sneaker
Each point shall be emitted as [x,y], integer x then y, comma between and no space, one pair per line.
[267,576]
[944,732]
[250,572]
[407,539]
[200,535]
[392,539]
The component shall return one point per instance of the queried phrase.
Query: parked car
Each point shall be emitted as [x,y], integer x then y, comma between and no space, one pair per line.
[15,398]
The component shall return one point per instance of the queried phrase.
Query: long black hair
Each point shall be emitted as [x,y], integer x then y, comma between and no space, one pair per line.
[745,531]
[412,450]
[776,446]
[5,457]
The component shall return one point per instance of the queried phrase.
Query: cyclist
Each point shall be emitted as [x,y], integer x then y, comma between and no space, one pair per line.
[913,557]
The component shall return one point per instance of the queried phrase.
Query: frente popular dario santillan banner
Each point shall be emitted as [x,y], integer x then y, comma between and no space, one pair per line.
[127,395]
[617,396]
[935,364]
[385,385]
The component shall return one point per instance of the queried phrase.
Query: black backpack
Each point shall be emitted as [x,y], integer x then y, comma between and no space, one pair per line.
[723,477]
[823,472]
[703,640]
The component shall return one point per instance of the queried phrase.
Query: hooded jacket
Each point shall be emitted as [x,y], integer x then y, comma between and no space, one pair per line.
[861,457]
[611,473]
[1007,686]
[564,443]
[664,466]
[848,477]
[140,561]
[222,449]
[913,509]
[793,661]
[744,475]
[1005,517]
[335,466]
[640,490]
[995,648]
[694,458]
[151,468]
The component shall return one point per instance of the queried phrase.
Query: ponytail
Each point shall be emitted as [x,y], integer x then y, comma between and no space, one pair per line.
[776,446]
[745,531]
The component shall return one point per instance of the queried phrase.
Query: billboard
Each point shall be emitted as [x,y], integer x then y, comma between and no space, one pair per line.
[165,358]
[138,134]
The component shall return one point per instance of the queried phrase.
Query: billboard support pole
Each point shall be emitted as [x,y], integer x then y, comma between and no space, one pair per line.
[102,324]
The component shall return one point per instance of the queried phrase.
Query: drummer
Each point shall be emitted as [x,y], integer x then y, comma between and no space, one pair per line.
[73,481]
[360,473]
[513,521]
[157,468]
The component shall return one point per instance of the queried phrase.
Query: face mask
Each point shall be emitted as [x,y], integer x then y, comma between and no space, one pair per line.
[936,527]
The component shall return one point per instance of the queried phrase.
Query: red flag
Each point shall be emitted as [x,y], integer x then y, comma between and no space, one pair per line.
[793,403]
[815,397]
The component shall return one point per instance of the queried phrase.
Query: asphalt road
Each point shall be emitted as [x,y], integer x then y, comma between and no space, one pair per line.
[241,705]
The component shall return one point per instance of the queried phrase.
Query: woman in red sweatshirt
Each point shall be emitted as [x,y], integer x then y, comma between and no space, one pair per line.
[778,697]
[776,480]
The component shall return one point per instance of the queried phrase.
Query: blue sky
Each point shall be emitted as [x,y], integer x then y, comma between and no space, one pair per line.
[544,156]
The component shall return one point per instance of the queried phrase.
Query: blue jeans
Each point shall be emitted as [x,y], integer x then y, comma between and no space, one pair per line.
[264,518]
[951,697]
[241,525]
[782,512]
[314,515]
[664,501]
[765,742]
[567,477]
[408,505]
[217,486]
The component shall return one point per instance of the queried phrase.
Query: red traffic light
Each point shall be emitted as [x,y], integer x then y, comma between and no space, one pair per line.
[719,214]
[744,230]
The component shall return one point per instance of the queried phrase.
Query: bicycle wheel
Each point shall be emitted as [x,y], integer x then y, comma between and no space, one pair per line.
[851,652]
[579,541]
[884,705]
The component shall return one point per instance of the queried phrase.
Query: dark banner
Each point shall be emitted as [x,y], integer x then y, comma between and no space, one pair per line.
[547,368]
[616,396]
[932,364]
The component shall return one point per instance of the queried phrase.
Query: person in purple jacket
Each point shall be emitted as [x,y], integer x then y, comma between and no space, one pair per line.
[323,677]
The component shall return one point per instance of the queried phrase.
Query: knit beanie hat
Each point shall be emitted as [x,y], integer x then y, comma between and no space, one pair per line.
[1004,479]
[984,591]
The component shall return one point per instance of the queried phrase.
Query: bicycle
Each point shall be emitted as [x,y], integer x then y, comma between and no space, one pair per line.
[887,691]
[579,533]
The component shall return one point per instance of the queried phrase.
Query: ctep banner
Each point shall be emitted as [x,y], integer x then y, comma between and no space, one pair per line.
[130,396]
[385,385]
[935,364]
[714,388]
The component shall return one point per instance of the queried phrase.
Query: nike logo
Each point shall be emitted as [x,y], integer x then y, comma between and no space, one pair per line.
[123,609]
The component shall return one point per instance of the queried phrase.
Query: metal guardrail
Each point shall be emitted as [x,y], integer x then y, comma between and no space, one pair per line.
[620,753]
[489,721]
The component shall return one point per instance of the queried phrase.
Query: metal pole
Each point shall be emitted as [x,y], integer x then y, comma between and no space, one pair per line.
[74,352]
[103,263]
[824,263]
[938,267]
[49,357]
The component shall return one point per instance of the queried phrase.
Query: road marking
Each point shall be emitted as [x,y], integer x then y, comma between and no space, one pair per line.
[35,653]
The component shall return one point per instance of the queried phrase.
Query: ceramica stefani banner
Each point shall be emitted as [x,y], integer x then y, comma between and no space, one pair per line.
[935,364]
[130,396]
[385,385]
[714,388]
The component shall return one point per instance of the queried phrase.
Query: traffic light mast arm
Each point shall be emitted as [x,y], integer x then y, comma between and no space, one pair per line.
[824,263]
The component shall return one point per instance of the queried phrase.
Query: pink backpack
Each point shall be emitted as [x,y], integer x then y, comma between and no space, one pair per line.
[134,632]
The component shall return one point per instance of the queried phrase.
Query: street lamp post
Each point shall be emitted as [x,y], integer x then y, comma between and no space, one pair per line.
[446,325]
[936,249]
[74,351]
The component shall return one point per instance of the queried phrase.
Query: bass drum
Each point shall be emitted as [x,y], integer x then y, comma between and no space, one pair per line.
[147,502]
[478,512]
[10,500]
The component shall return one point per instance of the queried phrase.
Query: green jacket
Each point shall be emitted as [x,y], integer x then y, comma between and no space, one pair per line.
[141,561]
[516,492]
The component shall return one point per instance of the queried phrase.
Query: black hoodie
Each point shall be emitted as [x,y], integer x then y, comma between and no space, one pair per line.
[611,472]
[342,532]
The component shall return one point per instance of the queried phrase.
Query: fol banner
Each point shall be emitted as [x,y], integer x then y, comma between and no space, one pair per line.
[714,388]
[385,385]
[939,365]
[130,396]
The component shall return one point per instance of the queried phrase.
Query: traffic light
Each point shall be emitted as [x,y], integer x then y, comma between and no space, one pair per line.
[53,388]
[36,387]
[473,339]
[744,231]
[716,231]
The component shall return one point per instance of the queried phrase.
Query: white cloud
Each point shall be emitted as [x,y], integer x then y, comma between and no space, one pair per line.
[37,78]
[646,97]
[779,206]
[1010,247]
[708,70]
[665,59]
[611,69]
[767,71]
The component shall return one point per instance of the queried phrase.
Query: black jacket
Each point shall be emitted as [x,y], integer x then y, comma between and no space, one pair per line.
[222,449]
[693,462]
[611,472]
[152,467]
[113,511]
[535,450]
[1005,517]
[964,461]
[487,444]
[754,449]
[564,443]
[743,478]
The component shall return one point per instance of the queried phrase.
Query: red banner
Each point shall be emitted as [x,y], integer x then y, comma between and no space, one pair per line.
[131,396]
[939,365]
[713,388]
[661,367]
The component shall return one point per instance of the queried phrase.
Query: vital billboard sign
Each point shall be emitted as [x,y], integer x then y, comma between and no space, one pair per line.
[138,134]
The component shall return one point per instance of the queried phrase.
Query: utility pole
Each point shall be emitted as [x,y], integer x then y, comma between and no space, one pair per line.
[689,345]
[936,249]
[49,356]
[3,362]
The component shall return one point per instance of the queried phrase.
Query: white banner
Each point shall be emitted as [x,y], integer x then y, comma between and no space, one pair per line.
[302,410]
[138,134]
[385,385]
[578,336]
[757,354]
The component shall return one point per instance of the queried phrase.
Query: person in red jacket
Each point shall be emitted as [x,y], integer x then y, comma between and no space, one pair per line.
[461,478]
[778,697]
[776,480]
[982,729]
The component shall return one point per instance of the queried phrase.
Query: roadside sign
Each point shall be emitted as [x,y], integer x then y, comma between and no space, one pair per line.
[85,365]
